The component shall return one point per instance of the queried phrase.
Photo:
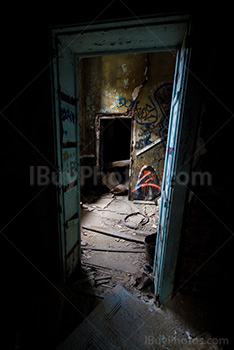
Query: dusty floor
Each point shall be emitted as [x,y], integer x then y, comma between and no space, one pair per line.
[122,321]
[130,269]
[184,317]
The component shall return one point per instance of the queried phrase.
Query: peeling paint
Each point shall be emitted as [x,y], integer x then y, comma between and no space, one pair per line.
[136,92]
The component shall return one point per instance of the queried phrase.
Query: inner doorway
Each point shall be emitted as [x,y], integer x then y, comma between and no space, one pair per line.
[113,153]
[116,137]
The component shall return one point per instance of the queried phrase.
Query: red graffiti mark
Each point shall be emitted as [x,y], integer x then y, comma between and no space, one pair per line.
[147,180]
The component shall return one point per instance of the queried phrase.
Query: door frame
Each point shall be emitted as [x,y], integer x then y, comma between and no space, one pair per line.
[151,34]
[171,210]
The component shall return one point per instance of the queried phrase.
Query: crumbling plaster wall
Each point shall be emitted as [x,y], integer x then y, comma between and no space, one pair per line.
[138,85]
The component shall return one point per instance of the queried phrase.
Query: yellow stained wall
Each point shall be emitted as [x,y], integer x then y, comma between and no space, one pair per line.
[107,85]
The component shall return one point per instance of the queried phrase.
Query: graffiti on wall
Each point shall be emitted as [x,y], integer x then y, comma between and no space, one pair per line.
[68,122]
[147,186]
[149,113]
[146,115]
[144,139]
[163,98]
[159,156]
[148,133]
[67,114]
[123,102]
[70,166]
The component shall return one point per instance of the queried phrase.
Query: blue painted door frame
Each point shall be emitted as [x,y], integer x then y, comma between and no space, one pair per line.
[69,43]
[171,210]
[66,135]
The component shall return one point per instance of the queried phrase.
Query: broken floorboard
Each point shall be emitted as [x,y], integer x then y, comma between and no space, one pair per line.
[117,163]
[113,234]
[144,233]
[144,202]
[102,267]
[114,250]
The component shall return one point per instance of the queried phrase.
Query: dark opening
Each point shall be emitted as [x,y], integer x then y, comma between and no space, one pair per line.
[115,139]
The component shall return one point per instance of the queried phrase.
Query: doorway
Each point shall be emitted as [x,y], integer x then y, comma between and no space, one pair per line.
[114,153]
[115,139]
[109,94]
[124,108]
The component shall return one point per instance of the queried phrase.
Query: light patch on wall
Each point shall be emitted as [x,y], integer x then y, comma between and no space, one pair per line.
[124,68]
[110,98]
[126,82]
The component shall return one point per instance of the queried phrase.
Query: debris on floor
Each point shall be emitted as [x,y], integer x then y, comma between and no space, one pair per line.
[122,321]
[111,182]
[115,290]
[114,242]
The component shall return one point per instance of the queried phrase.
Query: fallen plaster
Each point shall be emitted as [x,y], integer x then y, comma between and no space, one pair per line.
[110,232]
